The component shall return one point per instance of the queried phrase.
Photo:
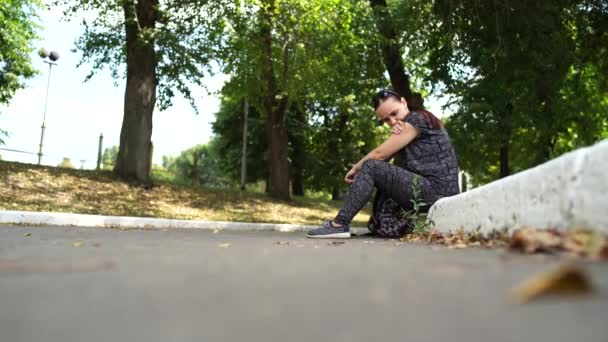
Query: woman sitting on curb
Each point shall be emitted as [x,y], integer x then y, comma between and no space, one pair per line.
[422,150]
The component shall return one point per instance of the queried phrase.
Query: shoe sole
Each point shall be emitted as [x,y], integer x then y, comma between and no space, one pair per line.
[330,236]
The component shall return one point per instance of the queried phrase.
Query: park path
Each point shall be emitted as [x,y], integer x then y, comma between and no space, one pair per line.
[88,284]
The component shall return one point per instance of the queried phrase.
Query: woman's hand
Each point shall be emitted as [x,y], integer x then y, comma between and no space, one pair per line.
[350,176]
[398,128]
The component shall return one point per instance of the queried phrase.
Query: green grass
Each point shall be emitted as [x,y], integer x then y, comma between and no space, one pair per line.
[30,187]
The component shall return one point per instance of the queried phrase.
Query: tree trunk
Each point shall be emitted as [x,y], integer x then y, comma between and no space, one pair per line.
[336,194]
[391,53]
[297,140]
[504,160]
[297,184]
[276,109]
[134,153]
[505,125]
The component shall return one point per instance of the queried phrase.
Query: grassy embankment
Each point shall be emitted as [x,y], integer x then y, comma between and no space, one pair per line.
[41,188]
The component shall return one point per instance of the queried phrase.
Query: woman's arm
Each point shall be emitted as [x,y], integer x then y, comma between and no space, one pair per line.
[388,148]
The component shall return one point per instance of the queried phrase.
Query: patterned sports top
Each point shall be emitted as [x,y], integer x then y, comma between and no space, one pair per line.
[431,156]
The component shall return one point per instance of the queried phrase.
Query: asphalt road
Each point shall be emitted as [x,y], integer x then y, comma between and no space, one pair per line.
[87,284]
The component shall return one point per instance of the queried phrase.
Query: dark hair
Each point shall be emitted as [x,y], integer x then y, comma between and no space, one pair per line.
[430,118]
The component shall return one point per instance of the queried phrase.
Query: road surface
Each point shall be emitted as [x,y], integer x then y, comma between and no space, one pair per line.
[94,284]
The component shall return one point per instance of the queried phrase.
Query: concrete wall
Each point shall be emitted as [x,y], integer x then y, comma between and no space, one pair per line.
[567,192]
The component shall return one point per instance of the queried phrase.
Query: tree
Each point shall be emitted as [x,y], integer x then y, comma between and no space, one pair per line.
[228,130]
[66,163]
[109,157]
[286,53]
[197,165]
[166,47]
[17,32]
[341,134]
[524,80]
[400,29]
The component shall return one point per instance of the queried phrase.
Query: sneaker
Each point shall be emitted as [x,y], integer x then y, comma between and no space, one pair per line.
[328,231]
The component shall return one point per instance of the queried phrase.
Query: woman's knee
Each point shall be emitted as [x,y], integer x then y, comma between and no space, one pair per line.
[371,164]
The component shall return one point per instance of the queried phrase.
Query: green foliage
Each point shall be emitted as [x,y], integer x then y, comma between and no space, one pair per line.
[524,80]
[341,132]
[3,134]
[18,25]
[109,156]
[327,62]
[66,163]
[418,215]
[197,165]
[228,130]
[185,37]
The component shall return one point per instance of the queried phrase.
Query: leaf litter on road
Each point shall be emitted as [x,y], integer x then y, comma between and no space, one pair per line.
[286,243]
[565,281]
[582,243]
[336,243]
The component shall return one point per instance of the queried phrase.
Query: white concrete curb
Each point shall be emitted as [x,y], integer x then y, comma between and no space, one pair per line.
[82,220]
[568,192]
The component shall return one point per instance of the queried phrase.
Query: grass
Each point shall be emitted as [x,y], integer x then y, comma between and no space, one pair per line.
[30,187]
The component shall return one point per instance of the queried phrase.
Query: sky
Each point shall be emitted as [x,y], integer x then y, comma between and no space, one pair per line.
[78,113]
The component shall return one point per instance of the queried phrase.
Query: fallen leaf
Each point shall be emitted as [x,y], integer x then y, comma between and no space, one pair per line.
[566,280]
[585,243]
[458,245]
[78,244]
[283,243]
[435,236]
[536,240]
[27,234]
[225,245]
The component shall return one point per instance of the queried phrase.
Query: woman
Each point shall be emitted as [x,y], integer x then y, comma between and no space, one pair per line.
[422,150]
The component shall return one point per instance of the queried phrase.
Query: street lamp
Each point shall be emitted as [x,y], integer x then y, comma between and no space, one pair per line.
[53,56]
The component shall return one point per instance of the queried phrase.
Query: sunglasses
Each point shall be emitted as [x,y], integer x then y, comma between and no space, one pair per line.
[381,95]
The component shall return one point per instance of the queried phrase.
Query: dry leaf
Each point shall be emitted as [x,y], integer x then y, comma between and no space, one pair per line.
[536,240]
[584,243]
[458,245]
[27,234]
[283,243]
[225,245]
[566,280]
[435,236]
[78,244]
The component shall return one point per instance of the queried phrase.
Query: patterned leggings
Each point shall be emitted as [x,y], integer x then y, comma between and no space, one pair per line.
[393,181]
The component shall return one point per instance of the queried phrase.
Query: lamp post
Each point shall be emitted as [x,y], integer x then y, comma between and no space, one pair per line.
[53,56]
